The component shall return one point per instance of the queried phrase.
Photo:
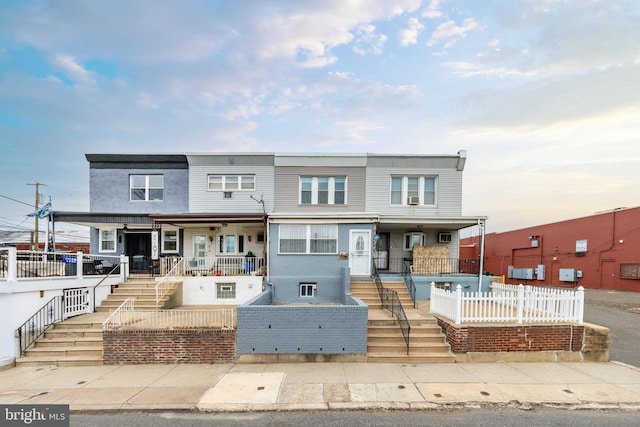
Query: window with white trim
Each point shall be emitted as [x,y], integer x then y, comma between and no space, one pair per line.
[170,240]
[226,290]
[413,190]
[413,239]
[323,190]
[146,188]
[231,182]
[308,239]
[107,240]
[307,290]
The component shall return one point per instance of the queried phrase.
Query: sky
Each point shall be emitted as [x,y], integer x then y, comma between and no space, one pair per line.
[544,95]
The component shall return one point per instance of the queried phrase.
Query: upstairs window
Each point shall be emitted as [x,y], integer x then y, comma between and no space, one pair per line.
[413,190]
[146,187]
[231,182]
[323,190]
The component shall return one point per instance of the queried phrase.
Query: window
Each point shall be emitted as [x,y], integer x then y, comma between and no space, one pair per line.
[413,239]
[226,290]
[308,239]
[169,240]
[323,190]
[231,182]
[230,244]
[146,187]
[412,190]
[307,289]
[107,240]
[630,271]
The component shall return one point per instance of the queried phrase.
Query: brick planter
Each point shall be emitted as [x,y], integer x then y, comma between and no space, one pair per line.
[517,338]
[168,346]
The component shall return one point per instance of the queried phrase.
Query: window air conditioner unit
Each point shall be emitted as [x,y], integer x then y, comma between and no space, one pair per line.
[413,200]
[444,237]
[228,194]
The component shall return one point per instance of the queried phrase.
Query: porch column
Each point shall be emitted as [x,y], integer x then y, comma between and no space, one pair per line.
[12,264]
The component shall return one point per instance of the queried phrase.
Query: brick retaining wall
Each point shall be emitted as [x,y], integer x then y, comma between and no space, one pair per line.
[166,346]
[517,338]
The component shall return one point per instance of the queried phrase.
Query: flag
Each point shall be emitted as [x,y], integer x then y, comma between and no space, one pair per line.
[43,212]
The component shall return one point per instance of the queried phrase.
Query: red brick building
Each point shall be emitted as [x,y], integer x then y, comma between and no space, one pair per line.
[601,251]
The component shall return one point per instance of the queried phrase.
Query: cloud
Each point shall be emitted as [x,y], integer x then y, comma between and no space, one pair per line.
[70,66]
[368,41]
[450,33]
[432,11]
[410,35]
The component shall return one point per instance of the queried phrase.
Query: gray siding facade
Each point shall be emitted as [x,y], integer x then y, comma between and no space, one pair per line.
[287,271]
[202,200]
[448,175]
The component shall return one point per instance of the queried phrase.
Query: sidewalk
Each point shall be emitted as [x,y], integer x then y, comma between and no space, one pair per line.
[323,386]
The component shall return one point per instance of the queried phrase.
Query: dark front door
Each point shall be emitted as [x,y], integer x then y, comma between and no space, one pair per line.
[138,248]
[382,251]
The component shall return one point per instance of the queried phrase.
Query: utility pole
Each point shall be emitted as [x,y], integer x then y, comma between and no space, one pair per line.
[37,206]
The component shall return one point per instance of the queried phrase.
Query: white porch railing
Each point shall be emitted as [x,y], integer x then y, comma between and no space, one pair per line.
[165,285]
[509,303]
[121,316]
[219,318]
[214,266]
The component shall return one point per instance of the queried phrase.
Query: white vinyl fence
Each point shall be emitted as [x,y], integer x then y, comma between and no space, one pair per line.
[509,303]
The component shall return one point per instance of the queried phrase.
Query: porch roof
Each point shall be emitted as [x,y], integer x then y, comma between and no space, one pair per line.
[103,219]
[429,223]
[207,218]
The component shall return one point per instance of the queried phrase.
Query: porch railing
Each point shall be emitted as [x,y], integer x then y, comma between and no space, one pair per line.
[391,301]
[32,264]
[434,266]
[214,266]
[510,303]
[163,319]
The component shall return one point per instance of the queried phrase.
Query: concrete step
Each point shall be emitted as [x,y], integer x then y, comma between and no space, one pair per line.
[75,333]
[395,358]
[90,341]
[55,352]
[60,361]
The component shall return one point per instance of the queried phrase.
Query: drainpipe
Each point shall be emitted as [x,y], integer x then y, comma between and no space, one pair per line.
[481,227]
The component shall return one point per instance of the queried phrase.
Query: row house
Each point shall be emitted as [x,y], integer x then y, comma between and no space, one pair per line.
[296,219]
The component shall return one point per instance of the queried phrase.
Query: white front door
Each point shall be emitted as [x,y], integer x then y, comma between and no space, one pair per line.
[199,249]
[360,252]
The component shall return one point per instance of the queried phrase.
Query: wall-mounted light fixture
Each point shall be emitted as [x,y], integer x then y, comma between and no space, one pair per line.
[211,239]
[249,237]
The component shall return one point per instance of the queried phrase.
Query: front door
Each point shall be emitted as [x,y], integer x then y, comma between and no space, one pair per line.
[199,250]
[360,252]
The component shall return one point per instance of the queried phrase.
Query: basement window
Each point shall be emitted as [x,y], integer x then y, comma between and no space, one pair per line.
[226,290]
[307,290]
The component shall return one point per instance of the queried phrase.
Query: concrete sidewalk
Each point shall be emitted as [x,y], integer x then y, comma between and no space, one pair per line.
[322,386]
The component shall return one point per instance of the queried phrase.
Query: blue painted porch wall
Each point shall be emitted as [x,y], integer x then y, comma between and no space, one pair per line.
[286,272]
[468,283]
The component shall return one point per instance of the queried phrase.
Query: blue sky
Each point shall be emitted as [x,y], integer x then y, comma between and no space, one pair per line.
[544,95]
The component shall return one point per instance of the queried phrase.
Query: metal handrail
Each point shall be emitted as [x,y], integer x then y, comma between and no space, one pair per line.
[117,317]
[161,289]
[391,301]
[51,313]
[93,290]
[408,280]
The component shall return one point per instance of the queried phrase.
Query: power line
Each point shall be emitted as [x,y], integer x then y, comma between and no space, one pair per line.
[17,201]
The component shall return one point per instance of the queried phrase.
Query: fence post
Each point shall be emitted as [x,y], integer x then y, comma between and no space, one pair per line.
[458,313]
[12,264]
[580,304]
[123,266]
[79,264]
[520,302]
